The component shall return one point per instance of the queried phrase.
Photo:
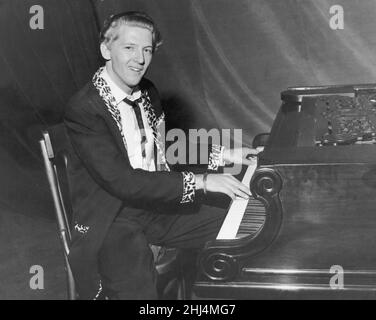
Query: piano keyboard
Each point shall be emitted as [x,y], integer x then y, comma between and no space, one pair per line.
[253,219]
[245,217]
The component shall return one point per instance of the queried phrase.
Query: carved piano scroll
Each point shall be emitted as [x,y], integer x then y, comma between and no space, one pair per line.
[219,266]
[221,260]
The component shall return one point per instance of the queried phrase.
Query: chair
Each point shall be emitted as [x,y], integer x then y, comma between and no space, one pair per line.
[168,261]
[53,164]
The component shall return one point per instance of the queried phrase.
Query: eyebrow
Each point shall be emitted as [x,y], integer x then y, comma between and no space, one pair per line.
[135,44]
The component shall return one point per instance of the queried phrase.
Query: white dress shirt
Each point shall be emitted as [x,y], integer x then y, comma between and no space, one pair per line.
[132,133]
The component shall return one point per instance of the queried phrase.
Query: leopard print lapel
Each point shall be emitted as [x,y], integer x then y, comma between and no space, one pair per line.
[155,123]
[105,93]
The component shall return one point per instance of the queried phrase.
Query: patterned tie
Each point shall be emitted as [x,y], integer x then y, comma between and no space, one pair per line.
[137,111]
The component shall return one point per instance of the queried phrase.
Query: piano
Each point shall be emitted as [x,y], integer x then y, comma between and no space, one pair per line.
[309,230]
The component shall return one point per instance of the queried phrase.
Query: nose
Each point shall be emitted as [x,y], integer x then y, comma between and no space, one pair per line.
[139,56]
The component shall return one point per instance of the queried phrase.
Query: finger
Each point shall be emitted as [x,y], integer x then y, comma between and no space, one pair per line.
[237,185]
[229,192]
[244,189]
[230,180]
[247,162]
[240,193]
[227,174]
[250,157]
[250,151]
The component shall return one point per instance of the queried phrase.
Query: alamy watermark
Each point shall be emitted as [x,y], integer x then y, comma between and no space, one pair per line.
[37,280]
[337,281]
[337,21]
[37,19]
[192,147]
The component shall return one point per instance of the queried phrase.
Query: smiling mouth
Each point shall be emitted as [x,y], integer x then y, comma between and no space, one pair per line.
[135,69]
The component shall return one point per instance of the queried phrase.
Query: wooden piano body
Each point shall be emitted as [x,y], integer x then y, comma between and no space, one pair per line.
[320,208]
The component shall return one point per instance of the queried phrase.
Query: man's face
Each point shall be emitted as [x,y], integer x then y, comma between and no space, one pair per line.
[129,56]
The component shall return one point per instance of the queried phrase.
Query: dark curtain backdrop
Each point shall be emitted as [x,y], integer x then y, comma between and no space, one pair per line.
[40,70]
[223,64]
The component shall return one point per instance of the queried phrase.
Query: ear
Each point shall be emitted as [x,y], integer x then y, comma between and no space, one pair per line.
[105,51]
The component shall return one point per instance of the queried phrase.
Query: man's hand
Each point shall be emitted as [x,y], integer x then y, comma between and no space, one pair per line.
[223,183]
[239,155]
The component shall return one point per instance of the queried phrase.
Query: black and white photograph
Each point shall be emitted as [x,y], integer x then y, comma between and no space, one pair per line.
[195,150]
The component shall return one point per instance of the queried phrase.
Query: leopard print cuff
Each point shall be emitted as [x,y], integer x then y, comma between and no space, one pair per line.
[189,187]
[216,157]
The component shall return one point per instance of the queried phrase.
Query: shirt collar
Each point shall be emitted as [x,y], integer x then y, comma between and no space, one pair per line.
[117,92]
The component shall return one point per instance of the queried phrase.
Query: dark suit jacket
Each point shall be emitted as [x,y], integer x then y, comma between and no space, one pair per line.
[103,182]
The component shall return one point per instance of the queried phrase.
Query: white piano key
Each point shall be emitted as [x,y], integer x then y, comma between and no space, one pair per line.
[235,214]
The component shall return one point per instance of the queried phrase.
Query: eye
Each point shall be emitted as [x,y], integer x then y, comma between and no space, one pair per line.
[148,50]
[129,48]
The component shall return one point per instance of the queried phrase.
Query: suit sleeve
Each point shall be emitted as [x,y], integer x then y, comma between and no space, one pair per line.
[94,144]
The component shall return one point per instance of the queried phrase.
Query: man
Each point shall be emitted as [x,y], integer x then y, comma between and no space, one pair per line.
[124,196]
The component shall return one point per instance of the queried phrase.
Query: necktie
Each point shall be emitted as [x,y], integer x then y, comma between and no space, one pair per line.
[140,123]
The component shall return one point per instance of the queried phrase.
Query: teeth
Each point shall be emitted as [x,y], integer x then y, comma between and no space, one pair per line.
[135,69]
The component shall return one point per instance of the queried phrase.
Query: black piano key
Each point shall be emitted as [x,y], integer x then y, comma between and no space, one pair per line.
[253,218]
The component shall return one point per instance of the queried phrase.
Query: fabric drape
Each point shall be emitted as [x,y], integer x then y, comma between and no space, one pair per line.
[222,65]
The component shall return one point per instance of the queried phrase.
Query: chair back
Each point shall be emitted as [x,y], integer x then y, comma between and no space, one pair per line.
[56,170]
